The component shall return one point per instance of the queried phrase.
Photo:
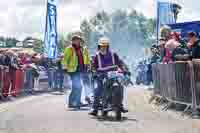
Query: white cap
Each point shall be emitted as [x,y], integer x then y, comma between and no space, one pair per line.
[104,41]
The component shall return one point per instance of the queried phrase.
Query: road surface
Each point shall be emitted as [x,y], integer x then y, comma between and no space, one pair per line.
[45,113]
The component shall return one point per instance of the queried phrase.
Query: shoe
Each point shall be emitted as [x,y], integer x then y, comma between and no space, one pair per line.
[66,107]
[13,98]
[73,107]
[87,99]
[124,110]
[5,98]
[84,105]
[32,92]
[93,113]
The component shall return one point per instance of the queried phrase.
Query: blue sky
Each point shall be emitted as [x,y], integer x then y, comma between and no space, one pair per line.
[27,17]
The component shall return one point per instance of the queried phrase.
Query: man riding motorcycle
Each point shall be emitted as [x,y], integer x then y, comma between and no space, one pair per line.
[105,61]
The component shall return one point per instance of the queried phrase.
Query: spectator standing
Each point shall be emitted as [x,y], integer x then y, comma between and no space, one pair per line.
[28,77]
[76,58]
[49,65]
[10,62]
[194,45]
[59,74]
[170,46]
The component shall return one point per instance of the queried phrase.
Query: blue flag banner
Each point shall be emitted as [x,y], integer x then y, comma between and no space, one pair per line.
[50,40]
[165,14]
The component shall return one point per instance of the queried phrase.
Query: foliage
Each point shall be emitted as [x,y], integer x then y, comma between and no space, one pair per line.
[9,41]
[125,30]
[130,30]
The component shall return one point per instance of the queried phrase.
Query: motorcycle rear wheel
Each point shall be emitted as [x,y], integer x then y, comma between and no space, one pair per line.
[104,114]
[118,114]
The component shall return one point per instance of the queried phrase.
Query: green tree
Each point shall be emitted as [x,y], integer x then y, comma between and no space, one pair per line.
[11,42]
[128,30]
[61,44]
[86,30]
[38,46]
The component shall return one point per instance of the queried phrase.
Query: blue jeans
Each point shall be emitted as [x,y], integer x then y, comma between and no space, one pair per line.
[75,95]
[86,79]
[50,73]
[98,93]
[28,85]
[58,78]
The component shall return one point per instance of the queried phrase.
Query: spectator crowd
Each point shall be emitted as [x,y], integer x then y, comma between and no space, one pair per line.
[172,47]
[19,71]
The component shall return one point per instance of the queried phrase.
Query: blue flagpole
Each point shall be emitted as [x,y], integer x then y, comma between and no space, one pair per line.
[157,23]
[45,34]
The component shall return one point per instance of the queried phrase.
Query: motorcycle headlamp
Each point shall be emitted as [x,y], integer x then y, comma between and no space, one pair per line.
[120,79]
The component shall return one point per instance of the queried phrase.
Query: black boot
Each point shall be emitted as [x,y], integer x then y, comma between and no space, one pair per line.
[124,110]
[87,99]
[93,113]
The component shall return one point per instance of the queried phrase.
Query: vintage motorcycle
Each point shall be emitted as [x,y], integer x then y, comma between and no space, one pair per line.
[113,92]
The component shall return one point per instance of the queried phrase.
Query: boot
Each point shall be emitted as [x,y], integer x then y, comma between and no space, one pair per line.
[124,110]
[93,113]
[87,99]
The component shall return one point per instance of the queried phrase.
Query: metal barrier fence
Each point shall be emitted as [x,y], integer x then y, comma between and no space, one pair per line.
[196,94]
[178,82]
[19,81]
[171,81]
[1,79]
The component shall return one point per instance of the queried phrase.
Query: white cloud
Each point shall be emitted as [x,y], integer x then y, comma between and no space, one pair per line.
[27,17]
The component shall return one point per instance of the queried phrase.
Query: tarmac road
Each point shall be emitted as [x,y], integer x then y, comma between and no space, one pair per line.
[45,113]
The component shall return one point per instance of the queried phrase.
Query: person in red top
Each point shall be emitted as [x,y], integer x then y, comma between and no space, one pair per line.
[170,46]
[79,54]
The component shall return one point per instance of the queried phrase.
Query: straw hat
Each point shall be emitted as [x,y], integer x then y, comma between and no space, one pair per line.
[77,37]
